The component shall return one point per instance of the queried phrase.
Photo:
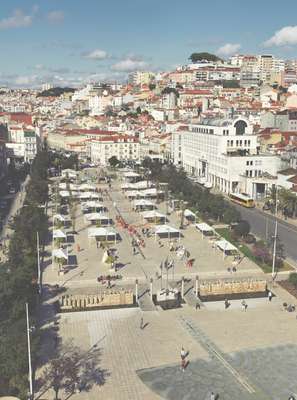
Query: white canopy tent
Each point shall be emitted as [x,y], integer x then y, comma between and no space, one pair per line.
[132,194]
[166,231]
[154,216]
[205,229]
[93,205]
[58,234]
[87,187]
[93,217]
[89,195]
[64,193]
[151,193]
[103,234]
[60,254]
[130,174]
[59,217]
[225,246]
[143,204]
[71,173]
[189,215]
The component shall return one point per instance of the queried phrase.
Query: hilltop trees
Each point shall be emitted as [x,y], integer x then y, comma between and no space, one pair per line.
[204,56]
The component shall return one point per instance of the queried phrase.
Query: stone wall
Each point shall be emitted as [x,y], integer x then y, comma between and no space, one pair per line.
[213,288]
[107,299]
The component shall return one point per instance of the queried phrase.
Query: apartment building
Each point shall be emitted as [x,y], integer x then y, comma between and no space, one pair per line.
[225,154]
[23,143]
[124,148]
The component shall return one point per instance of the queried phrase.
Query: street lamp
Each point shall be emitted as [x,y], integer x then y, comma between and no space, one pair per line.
[275,236]
[29,330]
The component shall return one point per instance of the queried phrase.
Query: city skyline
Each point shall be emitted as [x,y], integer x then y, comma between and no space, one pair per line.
[114,41]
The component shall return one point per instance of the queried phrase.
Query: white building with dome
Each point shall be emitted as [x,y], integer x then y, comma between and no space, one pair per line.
[224,154]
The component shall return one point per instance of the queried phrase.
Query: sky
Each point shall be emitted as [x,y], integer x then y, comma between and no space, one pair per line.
[70,42]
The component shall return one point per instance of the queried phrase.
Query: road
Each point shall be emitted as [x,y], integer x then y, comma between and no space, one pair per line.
[263,224]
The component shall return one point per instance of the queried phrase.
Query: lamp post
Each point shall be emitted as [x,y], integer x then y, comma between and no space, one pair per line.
[275,237]
[29,354]
[38,265]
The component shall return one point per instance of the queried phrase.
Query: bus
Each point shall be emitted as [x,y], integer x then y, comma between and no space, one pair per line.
[242,199]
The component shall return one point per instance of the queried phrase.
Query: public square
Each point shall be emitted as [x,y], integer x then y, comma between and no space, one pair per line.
[234,353]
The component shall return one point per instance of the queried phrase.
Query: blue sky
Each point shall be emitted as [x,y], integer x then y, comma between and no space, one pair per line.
[71,41]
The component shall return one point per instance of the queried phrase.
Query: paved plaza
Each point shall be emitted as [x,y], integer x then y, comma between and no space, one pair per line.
[234,353]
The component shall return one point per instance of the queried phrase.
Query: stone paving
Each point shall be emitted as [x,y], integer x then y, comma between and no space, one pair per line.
[259,345]
[209,262]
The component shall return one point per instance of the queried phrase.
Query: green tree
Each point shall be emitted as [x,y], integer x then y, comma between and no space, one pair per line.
[242,229]
[204,56]
[113,161]
[293,278]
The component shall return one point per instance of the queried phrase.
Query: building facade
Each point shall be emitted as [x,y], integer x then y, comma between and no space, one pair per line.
[225,154]
[124,148]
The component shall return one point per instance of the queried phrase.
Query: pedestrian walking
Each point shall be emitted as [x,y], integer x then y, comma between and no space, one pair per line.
[212,396]
[141,323]
[197,306]
[183,353]
[97,244]
[243,305]
[270,295]
[227,304]
[183,364]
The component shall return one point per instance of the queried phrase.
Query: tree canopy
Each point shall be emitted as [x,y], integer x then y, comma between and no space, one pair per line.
[18,284]
[55,92]
[204,56]
[207,204]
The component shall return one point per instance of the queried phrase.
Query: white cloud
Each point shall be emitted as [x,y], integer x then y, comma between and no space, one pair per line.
[284,37]
[129,64]
[54,17]
[18,20]
[96,54]
[228,49]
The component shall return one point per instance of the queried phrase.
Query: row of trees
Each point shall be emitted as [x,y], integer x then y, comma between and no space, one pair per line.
[18,283]
[287,202]
[209,205]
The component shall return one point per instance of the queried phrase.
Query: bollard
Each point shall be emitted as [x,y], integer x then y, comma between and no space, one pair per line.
[151,288]
[196,286]
[136,290]
[183,288]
